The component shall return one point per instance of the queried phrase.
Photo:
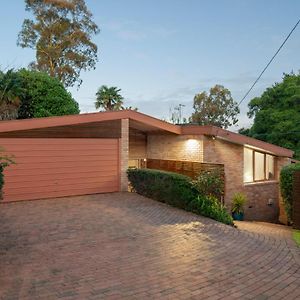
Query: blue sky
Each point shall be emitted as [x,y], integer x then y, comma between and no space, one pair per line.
[161,53]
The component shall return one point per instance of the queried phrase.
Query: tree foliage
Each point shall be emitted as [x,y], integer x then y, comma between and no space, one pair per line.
[276,114]
[61,33]
[32,94]
[109,98]
[10,93]
[216,108]
[44,96]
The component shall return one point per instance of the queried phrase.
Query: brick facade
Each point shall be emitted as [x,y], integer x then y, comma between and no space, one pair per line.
[137,144]
[263,203]
[173,147]
[124,154]
[263,198]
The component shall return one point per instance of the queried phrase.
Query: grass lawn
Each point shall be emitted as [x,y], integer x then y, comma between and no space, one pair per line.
[296,236]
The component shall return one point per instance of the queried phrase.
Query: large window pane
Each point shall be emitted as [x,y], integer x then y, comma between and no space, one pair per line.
[270,170]
[259,166]
[248,165]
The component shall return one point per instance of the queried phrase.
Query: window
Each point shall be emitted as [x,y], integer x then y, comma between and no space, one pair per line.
[270,167]
[248,165]
[258,166]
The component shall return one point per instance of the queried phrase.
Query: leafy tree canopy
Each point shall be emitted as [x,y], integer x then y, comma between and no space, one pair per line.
[44,96]
[61,34]
[31,94]
[109,98]
[10,93]
[277,114]
[216,108]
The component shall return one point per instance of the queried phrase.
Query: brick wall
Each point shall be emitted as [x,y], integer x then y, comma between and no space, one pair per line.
[137,144]
[263,198]
[124,154]
[173,147]
[263,201]
[231,155]
[259,194]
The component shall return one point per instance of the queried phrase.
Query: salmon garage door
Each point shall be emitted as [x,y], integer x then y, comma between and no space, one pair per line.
[47,168]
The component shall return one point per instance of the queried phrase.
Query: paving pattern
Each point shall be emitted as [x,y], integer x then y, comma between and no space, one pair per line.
[124,246]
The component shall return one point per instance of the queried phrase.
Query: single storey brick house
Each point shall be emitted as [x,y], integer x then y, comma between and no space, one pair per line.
[90,153]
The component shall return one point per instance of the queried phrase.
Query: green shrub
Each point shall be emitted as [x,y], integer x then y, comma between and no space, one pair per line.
[177,190]
[5,161]
[210,207]
[210,183]
[286,187]
[171,188]
[238,202]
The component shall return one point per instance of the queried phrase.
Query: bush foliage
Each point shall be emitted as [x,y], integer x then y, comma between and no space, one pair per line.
[176,190]
[211,207]
[171,188]
[5,161]
[238,202]
[286,187]
[210,183]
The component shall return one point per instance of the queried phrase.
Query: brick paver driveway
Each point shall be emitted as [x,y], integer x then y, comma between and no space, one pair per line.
[124,246]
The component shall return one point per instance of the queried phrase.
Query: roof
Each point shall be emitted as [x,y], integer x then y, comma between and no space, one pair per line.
[27,124]
[151,122]
[237,139]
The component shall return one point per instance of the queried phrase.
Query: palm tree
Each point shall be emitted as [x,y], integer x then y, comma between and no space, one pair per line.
[109,98]
[10,92]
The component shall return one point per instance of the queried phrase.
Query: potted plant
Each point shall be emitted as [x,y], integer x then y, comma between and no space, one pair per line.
[237,206]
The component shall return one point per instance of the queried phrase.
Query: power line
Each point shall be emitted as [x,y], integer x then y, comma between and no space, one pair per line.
[263,71]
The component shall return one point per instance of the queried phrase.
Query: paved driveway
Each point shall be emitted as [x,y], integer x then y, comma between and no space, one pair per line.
[124,246]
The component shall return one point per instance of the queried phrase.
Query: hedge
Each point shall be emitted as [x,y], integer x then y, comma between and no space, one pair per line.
[286,187]
[171,188]
[176,190]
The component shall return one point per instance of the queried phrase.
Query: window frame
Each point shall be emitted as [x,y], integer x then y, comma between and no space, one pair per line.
[265,167]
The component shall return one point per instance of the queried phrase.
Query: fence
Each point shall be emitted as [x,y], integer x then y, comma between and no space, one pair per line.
[296,200]
[188,168]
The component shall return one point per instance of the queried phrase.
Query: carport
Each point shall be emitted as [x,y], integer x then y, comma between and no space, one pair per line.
[75,155]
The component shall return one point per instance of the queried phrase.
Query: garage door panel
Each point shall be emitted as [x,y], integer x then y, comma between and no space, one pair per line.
[66,164]
[57,170]
[52,147]
[64,190]
[57,141]
[60,185]
[63,154]
[43,170]
[58,176]
[45,159]
[73,192]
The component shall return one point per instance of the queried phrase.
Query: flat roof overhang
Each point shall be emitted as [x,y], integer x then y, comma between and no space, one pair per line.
[236,138]
[137,120]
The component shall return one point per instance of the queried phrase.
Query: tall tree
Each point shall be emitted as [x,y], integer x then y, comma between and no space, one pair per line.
[216,108]
[61,33]
[276,114]
[109,98]
[10,94]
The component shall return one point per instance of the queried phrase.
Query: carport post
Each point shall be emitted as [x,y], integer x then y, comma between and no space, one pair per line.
[124,153]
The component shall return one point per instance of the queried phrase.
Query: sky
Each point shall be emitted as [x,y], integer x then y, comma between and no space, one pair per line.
[162,52]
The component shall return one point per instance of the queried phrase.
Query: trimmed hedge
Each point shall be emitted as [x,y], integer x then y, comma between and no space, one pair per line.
[286,187]
[171,188]
[176,190]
